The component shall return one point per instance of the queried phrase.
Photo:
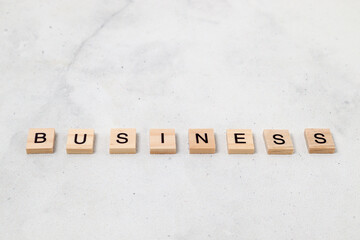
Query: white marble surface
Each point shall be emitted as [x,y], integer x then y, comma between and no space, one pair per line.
[180,64]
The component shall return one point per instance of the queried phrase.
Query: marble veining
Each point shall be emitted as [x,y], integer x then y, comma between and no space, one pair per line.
[179,64]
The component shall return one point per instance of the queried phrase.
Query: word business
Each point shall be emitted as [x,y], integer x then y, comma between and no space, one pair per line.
[163,141]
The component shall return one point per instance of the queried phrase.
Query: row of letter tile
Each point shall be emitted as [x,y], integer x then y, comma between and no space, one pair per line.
[163,141]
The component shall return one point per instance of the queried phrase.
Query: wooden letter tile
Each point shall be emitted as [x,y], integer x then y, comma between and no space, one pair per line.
[123,140]
[162,141]
[40,140]
[201,141]
[278,141]
[80,141]
[240,141]
[319,140]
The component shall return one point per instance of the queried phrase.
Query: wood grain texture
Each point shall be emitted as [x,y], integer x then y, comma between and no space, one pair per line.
[240,141]
[85,141]
[46,140]
[162,141]
[278,141]
[319,140]
[122,141]
[197,145]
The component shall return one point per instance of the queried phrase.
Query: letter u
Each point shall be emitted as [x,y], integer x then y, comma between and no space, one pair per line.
[76,139]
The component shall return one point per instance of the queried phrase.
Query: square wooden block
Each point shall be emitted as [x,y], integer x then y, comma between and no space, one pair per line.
[40,140]
[122,140]
[201,141]
[278,141]
[80,141]
[240,141]
[319,140]
[162,141]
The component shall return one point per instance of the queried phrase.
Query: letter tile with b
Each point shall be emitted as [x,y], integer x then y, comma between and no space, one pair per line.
[80,141]
[40,140]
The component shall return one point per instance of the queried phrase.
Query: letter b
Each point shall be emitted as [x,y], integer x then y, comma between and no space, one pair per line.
[40,138]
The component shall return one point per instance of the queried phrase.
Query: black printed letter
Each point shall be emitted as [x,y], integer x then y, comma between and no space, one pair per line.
[162,138]
[198,136]
[281,141]
[84,140]
[237,138]
[323,140]
[125,140]
[37,136]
